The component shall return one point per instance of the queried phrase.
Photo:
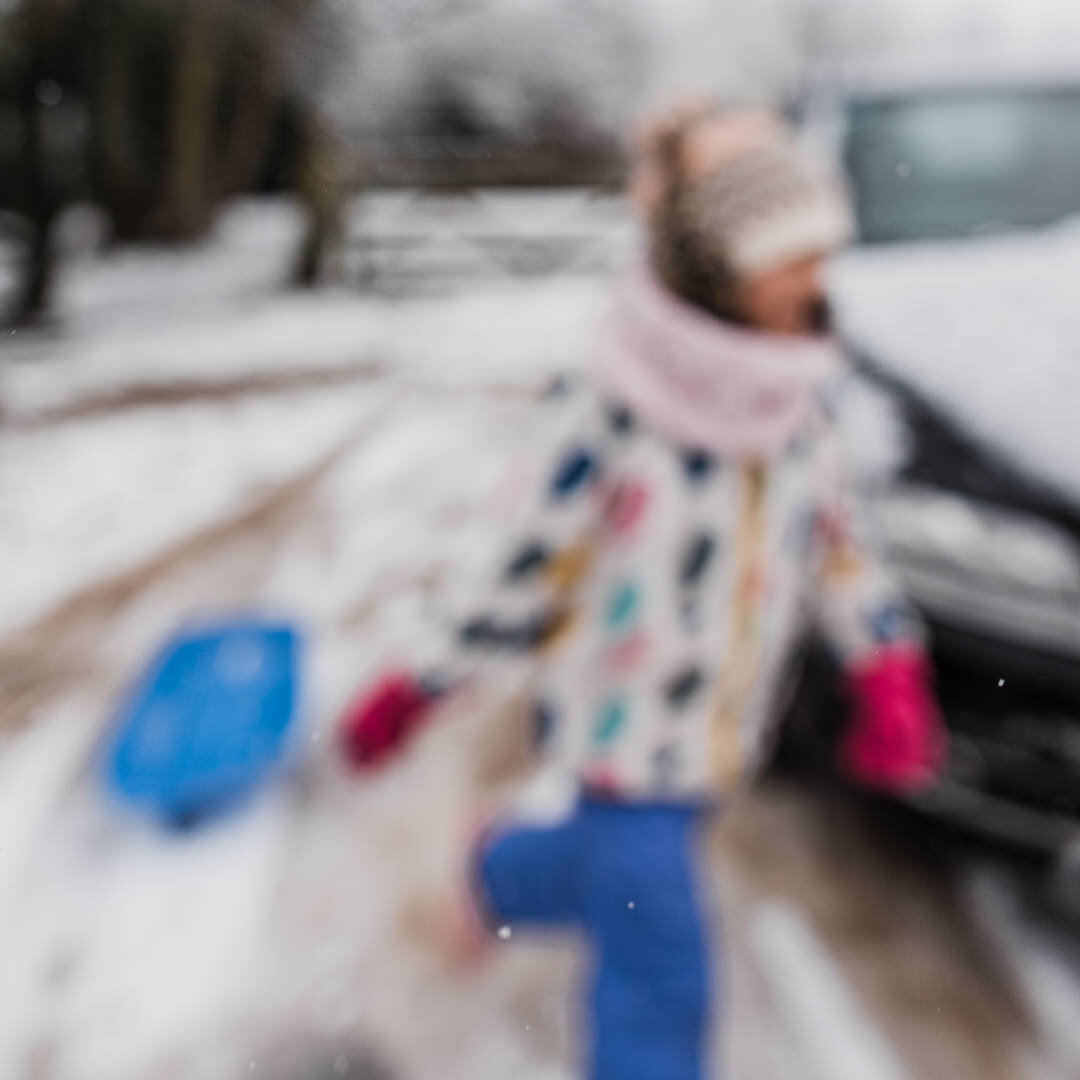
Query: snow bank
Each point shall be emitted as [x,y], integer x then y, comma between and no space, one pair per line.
[98,497]
[218,312]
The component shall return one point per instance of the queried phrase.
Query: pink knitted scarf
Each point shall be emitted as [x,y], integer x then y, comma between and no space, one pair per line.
[706,383]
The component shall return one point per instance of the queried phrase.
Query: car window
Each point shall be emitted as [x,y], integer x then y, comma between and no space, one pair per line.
[940,165]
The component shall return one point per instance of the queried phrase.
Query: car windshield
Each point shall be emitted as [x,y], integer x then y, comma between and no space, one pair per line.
[961,163]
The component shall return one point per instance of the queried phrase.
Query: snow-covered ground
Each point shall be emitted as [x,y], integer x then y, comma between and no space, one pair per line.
[182,323]
[219,311]
[124,951]
[301,937]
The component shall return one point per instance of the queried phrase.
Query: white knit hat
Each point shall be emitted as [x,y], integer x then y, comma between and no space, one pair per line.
[727,192]
[765,202]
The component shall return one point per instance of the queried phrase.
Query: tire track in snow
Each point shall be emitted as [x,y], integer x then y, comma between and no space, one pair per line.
[837,1037]
[58,650]
[158,393]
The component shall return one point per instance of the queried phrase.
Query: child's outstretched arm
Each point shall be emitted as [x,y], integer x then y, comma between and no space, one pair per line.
[526,605]
[896,739]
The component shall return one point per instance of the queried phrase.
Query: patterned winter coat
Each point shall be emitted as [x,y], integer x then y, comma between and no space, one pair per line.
[665,584]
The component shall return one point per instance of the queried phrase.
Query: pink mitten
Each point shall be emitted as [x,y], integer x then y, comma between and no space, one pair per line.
[375,725]
[896,741]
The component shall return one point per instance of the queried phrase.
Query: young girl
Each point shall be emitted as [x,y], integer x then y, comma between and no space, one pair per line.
[691,517]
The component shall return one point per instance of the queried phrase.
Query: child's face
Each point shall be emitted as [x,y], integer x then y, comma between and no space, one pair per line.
[787,299]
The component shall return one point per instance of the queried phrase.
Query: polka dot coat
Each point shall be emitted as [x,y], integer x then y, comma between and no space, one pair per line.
[663,590]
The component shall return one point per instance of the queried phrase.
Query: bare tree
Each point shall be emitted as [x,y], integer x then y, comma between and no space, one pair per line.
[200,55]
[184,103]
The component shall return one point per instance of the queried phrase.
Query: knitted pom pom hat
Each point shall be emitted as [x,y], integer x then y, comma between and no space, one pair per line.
[729,193]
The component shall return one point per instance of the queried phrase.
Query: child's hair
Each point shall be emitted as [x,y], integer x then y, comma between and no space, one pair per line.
[682,262]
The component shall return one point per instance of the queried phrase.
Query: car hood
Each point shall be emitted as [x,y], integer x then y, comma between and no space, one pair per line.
[986,331]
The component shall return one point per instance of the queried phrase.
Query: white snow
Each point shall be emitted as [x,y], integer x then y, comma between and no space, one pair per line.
[37,767]
[988,330]
[126,952]
[218,312]
[153,940]
[105,494]
[837,1039]
[98,496]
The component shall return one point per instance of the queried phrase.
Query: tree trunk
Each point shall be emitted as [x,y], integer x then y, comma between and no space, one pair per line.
[34,291]
[319,182]
[120,173]
[189,190]
[255,87]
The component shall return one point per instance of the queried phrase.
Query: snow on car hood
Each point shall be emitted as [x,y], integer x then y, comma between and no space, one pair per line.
[987,330]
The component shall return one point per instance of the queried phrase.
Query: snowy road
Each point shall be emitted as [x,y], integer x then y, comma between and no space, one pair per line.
[302,937]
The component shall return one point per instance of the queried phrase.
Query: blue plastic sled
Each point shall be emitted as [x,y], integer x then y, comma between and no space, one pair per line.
[207,723]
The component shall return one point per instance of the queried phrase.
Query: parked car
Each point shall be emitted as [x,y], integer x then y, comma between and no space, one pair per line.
[959,303]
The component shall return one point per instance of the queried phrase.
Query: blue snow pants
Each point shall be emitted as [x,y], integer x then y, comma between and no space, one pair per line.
[625,875]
